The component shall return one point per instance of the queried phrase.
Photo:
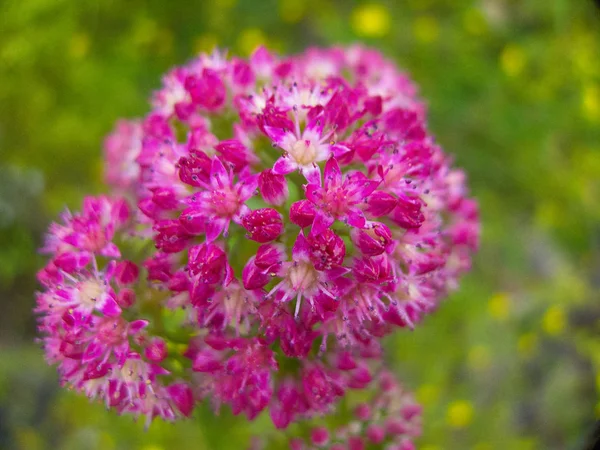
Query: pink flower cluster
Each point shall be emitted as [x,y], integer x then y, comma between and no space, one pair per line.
[298,211]
[390,419]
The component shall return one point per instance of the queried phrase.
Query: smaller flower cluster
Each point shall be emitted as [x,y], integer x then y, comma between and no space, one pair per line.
[390,420]
[84,317]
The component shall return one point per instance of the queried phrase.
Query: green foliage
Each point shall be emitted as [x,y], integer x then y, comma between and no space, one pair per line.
[509,362]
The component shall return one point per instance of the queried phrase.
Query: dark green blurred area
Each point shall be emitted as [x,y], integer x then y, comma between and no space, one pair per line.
[511,361]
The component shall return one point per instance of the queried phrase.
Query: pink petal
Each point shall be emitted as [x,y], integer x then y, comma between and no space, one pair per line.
[312,174]
[182,396]
[218,174]
[214,228]
[277,135]
[333,174]
[321,223]
[284,165]
[301,248]
[136,326]
[109,307]
[247,187]
[356,218]
[336,272]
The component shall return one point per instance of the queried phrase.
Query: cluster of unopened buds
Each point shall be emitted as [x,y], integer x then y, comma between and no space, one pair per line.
[269,222]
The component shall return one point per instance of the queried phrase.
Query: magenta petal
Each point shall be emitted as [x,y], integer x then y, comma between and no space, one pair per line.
[111,251]
[283,166]
[356,218]
[337,272]
[137,325]
[312,174]
[333,174]
[301,247]
[321,223]
[206,362]
[218,174]
[214,228]
[247,187]
[92,351]
[274,188]
[275,134]
[182,396]
[110,308]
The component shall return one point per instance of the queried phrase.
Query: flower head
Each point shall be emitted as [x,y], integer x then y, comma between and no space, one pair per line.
[271,220]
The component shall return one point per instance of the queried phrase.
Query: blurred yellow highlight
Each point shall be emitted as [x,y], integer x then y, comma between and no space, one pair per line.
[292,11]
[79,45]
[590,102]
[249,39]
[145,31]
[225,4]
[28,438]
[554,320]
[371,20]
[512,60]
[460,414]
[479,357]
[474,22]
[206,43]
[483,446]
[527,344]
[426,29]
[499,306]
[428,394]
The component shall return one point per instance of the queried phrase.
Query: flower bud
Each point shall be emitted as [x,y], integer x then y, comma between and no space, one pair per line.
[273,187]
[156,351]
[302,213]
[381,203]
[263,225]
[126,272]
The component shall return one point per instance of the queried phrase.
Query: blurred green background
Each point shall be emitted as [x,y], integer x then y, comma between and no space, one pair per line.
[511,361]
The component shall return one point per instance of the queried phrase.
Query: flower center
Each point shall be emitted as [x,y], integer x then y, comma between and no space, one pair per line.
[233,301]
[303,277]
[336,202]
[225,203]
[304,152]
[133,370]
[90,292]
[112,331]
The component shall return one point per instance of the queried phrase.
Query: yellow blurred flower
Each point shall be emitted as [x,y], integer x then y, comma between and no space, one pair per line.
[145,31]
[79,45]
[483,446]
[428,394]
[292,11]
[460,413]
[29,438]
[554,320]
[479,357]
[527,344]
[499,306]
[249,39]
[371,20]
[426,29]
[512,60]
[206,43]
[590,102]
[474,21]
[225,4]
